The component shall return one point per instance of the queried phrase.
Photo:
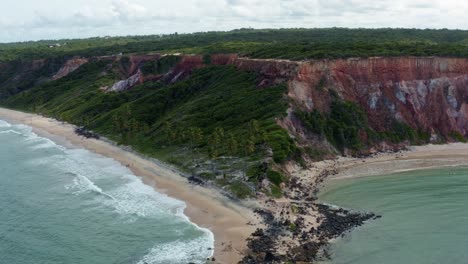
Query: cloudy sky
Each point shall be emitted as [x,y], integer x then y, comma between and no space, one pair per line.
[52,19]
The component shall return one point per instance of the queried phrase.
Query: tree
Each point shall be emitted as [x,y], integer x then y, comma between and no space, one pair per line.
[249,147]
[214,141]
[196,135]
[232,145]
[168,131]
[220,132]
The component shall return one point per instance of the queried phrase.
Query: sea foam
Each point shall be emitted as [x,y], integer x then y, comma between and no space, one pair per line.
[106,184]
[193,251]
[4,124]
[132,199]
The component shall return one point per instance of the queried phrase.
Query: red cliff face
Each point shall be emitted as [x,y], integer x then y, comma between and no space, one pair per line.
[426,93]
[69,67]
[136,61]
[184,68]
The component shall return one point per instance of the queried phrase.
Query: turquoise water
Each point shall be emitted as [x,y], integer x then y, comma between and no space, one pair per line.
[61,205]
[425,218]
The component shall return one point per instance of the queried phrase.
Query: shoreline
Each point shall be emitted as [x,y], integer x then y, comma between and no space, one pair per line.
[207,208]
[233,223]
[415,158]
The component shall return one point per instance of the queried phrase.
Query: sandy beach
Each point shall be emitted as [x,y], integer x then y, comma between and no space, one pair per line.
[231,222]
[205,207]
[415,158]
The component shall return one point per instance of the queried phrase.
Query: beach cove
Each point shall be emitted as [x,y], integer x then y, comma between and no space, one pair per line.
[420,195]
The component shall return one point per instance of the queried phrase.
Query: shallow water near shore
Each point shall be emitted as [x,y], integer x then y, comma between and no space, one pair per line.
[60,205]
[424,217]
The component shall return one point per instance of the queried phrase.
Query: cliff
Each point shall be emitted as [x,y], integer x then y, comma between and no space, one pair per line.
[429,94]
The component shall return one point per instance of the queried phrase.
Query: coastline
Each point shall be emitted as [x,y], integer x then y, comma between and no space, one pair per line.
[415,158]
[207,208]
[233,223]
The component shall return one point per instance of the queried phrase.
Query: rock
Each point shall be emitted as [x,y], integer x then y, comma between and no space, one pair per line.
[86,133]
[124,85]
[196,180]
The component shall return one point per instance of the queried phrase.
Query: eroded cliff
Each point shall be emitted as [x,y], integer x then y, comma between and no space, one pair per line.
[427,94]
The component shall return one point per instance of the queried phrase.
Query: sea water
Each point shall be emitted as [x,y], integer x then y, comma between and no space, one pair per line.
[61,205]
[424,217]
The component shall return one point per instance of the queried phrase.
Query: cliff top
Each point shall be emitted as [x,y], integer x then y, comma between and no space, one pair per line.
[293,44]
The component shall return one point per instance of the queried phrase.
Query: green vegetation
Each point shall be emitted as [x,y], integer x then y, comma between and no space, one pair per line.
[275,177]
[160,66]
[347,127]
[240,190]
[397,132]
[292,227]
[216,113]
[341,127]
[276,191]
[457,136]
[295,44]
[216,123]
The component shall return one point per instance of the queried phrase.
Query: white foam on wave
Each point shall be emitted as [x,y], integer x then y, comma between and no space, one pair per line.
[36,142]
[116,187]
[133,199]
[4,124]
[83,184]
[131,196]
[193,251]
[136,198]
[11,131]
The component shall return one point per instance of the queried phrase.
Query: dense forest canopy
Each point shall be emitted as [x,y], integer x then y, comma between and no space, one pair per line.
[295,44]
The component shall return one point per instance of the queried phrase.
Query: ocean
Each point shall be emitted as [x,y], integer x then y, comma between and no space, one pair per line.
[424,217]
[69,205]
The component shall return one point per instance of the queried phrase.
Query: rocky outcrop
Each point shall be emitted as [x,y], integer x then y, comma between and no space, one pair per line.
[126,84]
[69,67]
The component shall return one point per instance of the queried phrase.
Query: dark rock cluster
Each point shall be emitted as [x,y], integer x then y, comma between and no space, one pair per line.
[196,180]
[86,133]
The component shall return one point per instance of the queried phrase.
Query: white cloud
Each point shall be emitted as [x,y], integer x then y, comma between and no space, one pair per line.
[30,19]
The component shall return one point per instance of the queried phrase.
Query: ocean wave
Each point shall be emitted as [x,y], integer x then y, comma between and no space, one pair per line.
[4,124]
[136,198]
[193,251]
[30,137]
[11,131]
[83,184]
[109,184]
[133,199]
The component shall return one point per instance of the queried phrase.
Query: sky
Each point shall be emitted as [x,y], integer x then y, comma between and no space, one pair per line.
[24,20]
